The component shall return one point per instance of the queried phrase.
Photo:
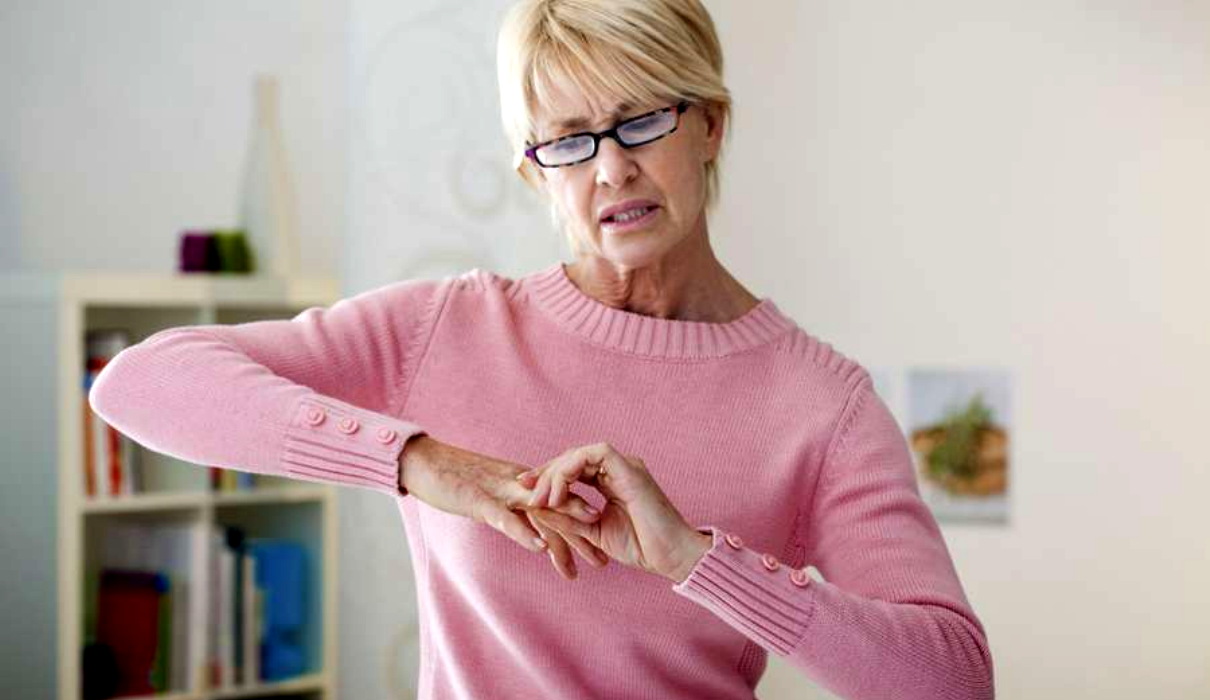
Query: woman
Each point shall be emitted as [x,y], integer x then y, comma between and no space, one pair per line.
[638,407]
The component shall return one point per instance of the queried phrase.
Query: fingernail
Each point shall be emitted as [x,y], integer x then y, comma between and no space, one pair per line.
[592,511]
[521,476]
[539,543]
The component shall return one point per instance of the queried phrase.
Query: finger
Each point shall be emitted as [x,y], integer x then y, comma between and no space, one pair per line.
[589,470]
[586,463]
[512,524]
[517,496]
[588,552]
[541,490]
[579,509]
[558,486]
[561,472]
[579,535]
[585,529]
[559,550]
[574,505]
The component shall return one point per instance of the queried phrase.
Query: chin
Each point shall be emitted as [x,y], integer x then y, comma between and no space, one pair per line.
[633,254]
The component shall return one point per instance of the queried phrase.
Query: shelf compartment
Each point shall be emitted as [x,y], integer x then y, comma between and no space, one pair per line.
[302,522]
[302,684]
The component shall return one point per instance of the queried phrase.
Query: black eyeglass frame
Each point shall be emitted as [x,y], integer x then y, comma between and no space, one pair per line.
[531,152]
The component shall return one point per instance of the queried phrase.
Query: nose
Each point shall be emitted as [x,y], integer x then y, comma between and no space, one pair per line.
[615,165]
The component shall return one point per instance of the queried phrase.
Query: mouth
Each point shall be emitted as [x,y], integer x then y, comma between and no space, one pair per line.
[630,219]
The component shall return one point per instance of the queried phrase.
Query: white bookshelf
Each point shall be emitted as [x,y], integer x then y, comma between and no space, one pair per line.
[51,314]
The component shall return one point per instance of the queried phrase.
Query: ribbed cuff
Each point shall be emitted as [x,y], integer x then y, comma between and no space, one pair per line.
[333,442]
[767,601]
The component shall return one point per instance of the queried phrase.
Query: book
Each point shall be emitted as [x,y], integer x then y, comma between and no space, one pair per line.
[222,611]
[251,630]
[167,550]
[110,457]
[282,573]
[226,626]
[128,621]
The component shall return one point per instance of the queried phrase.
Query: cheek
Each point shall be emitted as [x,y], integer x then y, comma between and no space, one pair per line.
[683,182]
[573,200]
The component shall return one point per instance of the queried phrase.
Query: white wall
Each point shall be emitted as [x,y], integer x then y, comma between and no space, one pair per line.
[1019,185]
[126,121]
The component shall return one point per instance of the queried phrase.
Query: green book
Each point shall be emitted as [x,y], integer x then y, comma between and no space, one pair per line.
[163,647]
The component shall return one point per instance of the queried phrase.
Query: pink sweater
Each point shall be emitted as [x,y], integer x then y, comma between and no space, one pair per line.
[765,436]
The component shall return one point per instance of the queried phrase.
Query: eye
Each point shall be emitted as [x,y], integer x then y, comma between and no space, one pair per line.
[647,126]
[569,145]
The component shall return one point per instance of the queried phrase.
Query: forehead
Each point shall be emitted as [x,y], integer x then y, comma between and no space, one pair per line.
[562,105]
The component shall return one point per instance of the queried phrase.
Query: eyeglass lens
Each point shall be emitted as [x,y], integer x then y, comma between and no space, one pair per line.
[631,133]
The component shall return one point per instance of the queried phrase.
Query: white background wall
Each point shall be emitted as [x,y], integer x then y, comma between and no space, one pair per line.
[1017,185]
[124,122]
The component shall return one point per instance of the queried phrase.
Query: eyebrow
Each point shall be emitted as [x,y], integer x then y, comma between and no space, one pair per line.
[581,122]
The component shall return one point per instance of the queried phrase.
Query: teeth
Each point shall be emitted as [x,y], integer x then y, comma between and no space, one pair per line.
[631,215]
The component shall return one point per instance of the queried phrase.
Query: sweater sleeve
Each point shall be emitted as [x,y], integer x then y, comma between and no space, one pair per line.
[312,398]
[891,619]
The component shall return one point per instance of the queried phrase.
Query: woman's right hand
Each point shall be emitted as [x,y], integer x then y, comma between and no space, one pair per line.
[486,490]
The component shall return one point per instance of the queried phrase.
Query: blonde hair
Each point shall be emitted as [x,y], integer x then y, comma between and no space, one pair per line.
[640,51]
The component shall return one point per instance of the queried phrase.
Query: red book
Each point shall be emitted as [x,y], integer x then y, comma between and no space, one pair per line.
[115,460]
[128,613]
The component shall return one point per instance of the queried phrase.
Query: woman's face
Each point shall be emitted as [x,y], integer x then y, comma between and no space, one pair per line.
[668,173]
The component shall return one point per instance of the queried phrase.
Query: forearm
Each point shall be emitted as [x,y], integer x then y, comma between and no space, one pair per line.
[929,648]
[193,395]
[861,648]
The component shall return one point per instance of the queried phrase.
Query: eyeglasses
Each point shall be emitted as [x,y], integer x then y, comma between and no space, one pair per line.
[636,131]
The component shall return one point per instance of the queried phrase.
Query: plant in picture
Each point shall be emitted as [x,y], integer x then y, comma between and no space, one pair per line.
[965,453]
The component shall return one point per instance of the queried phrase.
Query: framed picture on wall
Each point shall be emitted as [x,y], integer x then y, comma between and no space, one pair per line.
[958,427]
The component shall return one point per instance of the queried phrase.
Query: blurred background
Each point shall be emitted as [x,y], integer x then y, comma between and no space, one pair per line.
[940,183]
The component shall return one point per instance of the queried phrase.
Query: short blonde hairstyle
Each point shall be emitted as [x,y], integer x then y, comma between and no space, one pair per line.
[639,51]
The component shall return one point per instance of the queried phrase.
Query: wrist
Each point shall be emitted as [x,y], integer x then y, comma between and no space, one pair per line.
[696,546]
[412,458]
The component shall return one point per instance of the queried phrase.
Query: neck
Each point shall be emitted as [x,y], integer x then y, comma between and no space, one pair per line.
[688,283]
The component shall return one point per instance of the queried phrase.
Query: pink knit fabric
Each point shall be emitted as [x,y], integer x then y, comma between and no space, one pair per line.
[761,434]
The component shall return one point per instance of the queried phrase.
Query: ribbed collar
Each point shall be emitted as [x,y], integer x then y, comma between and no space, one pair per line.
[638,334]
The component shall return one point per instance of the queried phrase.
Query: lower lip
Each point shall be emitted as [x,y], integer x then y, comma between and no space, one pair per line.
[632,225]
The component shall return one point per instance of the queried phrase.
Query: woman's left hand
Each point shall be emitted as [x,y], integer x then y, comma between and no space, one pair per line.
[638,526]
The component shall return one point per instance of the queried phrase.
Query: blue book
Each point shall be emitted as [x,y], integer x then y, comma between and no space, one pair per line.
[281,571]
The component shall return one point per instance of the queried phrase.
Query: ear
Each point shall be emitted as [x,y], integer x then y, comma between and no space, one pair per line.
[715,127]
